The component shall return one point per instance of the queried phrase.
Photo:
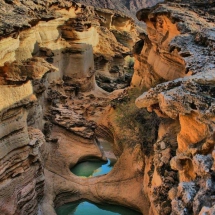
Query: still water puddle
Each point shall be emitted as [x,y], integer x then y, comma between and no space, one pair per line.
[91,168]
[87,208]
[96,167]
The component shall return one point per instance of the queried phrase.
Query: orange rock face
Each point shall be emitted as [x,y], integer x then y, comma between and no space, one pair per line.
[192,132]
[186,99]
[50,103]
[51,108]
[155,62]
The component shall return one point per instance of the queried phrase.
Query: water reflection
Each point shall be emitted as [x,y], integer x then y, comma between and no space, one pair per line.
[87,208]
[93,168]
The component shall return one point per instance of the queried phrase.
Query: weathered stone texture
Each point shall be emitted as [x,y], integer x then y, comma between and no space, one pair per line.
[48,93]
[182,32]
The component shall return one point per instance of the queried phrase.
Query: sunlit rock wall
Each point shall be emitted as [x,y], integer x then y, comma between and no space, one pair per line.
[46,48]
[176,59]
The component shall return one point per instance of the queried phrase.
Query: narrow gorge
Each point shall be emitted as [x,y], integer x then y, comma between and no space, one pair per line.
[96,113]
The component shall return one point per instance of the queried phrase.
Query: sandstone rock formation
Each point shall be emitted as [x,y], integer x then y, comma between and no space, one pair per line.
[22,178]
[50,103]
[52,111]
[128,7]
[178,53]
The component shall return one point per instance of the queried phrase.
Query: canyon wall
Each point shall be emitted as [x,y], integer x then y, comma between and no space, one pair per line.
[52,111]
[128,7]
[50,103]
[176,61]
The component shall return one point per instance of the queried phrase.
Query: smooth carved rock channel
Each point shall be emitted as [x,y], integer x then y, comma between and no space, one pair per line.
[52,112]
[85,208]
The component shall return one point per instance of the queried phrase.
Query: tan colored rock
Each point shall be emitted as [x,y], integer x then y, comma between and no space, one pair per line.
[154,62]
[8,45]
[172,50]
[185,167]
[112,187]
[31,69]
[173,193]
[128,7]
[187,98]
[60,37]
[10,95]
[192,132]
[207,210]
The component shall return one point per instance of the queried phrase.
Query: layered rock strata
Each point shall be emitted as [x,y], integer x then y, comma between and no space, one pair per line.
[178,53]
[128,7]
[51,107]
[50,104]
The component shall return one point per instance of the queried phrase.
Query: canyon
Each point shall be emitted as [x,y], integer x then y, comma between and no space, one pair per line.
[58,59]
[128,7]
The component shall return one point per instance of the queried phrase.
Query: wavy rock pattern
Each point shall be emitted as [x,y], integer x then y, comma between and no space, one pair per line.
[49,103]
[181,33]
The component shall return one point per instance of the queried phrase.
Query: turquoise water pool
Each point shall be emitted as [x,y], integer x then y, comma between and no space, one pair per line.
[91,168]
[88,208]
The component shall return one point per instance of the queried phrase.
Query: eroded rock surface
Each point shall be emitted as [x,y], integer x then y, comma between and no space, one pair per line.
[50,104]
[176,59]
[52,111]
[129,7]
